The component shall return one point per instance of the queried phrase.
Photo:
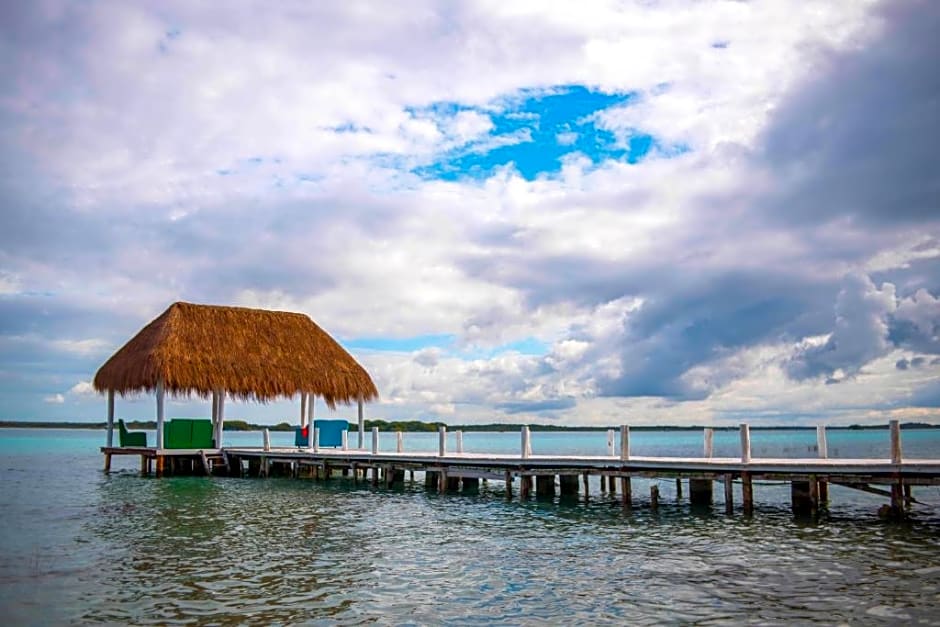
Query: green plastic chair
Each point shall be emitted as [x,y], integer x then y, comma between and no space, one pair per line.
[131,438]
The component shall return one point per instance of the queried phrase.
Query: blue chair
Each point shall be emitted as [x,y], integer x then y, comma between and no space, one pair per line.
[331,431]
[301,437]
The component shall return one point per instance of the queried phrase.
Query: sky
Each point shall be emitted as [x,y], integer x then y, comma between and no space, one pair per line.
[646,212]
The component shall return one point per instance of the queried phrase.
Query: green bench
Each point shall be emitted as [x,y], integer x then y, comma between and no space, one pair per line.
[192,433]
[131,438]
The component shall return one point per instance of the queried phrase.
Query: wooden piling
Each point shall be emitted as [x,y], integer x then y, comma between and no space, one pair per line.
[678,489]
[626,491]
[612,484]
[700,491]
[747,494]
[586,482]
[545,485]
[729,495]
[508,479]
[107,462]
[895,428]
[654,497]
[568,485]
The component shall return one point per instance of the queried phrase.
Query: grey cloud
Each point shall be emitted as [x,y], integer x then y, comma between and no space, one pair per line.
[902,364]
[537,407]
[858,139]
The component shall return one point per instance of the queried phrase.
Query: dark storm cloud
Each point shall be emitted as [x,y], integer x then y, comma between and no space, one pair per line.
[858,139]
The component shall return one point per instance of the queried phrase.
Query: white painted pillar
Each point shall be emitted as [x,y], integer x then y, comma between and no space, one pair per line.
[624,442]
[221,419]
[362,426]
[745,443]
[375,440]
[303,408]
[110,418]
[895,427]
[215,410]
[345,440]
[400,445]
[160,414]
[459,435]
[821,443]
[315,440]
[610,442]
[526,442]
[441,441]
[311,402]
[267,440]
[709,442]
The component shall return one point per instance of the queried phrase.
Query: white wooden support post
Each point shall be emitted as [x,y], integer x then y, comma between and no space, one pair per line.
[220,420]
[375,440]
[709,442]
[441,441]
[303,408]
[526,442]
[345,440]
[311,401]
[459,435]
[400,442]
[267,440]
[895,428]
[745,443]
[362,426]
[160,414]
[315,440]
[610,442]
[624,442]
[215,410]
[110,418]
[821,444]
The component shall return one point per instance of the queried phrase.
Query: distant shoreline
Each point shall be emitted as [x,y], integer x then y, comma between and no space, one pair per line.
[413,426]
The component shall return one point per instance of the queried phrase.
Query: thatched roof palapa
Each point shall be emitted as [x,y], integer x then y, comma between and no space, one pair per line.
[248,353]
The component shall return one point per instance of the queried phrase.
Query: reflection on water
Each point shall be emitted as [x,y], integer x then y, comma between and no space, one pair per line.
[77,546]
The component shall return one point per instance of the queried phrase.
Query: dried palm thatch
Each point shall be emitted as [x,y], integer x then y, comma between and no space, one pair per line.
[248,353]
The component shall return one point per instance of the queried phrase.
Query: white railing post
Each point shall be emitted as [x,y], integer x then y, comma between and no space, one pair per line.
[375,440]
[400,442]
[442,441]
[821,443]
[315,439]
[459,436]
[345,440]
[610,442]
[267,440]
[745,443]
[526,442]
[895,428]
[709,442]
[624,442]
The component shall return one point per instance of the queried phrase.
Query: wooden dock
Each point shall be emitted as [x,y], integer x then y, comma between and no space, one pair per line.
[447,471]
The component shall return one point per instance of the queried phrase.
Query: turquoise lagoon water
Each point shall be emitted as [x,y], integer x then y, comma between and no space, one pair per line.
[78,546]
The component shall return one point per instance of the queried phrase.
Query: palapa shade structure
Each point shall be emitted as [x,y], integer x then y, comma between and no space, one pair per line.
[250,354]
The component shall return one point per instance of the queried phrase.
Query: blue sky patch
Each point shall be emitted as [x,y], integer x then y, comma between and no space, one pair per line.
[535,131]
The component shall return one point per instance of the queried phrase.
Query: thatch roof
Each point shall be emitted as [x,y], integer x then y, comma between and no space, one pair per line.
[248,353]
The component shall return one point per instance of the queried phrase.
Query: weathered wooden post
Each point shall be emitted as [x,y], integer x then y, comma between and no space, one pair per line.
[459,437]
[747,493]
[345,440]
[375,440]
[678,489]
[700,491]
[267,440]
[823,448]
[610,442]
[729,495]
[159,414]
[507,477]
[526,446]
[745,443]
[586,481]
[895,428]
[654,497]
[545,485]
[110,426]
[315,440]
[709,442]
[442,441]
[627,492]
[220,419]
[303,408]
[568,485]
[624,443]
[400,445]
